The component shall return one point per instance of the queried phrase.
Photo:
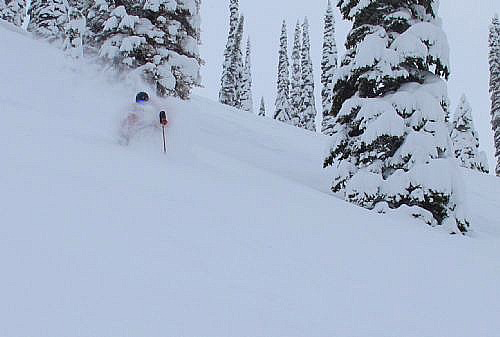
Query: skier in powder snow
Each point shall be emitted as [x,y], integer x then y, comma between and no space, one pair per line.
[141,115]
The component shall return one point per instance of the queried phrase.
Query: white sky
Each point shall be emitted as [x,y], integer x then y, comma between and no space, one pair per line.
[465,22]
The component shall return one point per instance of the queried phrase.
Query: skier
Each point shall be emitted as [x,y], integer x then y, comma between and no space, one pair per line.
[142,115]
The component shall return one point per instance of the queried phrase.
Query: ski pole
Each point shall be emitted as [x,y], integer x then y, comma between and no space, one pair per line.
[163,122]
[164,142]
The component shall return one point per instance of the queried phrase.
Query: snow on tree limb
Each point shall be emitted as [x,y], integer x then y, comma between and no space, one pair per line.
[392,147]
[156,42]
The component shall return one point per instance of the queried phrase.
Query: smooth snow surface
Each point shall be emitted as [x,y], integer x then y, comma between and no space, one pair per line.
[231,234]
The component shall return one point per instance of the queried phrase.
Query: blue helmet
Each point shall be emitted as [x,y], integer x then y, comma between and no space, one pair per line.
[141,97]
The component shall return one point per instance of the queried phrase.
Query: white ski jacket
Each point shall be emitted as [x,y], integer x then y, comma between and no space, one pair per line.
[139,116]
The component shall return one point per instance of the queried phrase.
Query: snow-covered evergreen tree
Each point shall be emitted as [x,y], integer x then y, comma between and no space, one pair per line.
[80,5]
[175,39]
[227,93]
[262,109]
[307,102]
[13,11]
[328,67]
[296,77]
[75,29]
[97,14]
[246,94]
[282,104]
[237,65]
[466,140]
[494,60]
[122,45]
[392,148]
[155,39]
[48,19]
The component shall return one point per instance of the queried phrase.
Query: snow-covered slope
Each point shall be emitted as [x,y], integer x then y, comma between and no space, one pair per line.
[231,234]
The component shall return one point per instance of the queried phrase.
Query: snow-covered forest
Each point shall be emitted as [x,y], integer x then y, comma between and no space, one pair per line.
[249,168]
[385,104]
[154,40]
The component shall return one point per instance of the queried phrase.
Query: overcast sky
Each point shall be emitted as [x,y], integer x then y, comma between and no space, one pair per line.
[465,22]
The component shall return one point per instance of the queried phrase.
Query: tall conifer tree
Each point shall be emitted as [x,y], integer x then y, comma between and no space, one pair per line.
[246,95]
[227,93]
[282,104]
[307,102]
[328,67]
[237,65]
[494,60]
[466,140]
[296,78]
[392,148]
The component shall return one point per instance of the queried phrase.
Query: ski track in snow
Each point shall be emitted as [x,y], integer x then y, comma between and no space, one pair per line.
[233,233]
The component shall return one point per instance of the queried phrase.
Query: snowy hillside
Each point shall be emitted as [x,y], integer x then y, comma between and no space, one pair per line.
[233,233]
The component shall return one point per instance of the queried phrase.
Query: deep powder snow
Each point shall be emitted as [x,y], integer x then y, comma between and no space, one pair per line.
[233,233]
